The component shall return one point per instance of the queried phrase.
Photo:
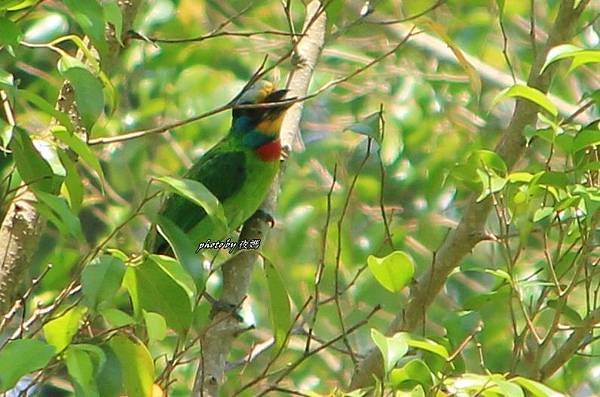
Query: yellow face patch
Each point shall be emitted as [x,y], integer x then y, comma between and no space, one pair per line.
[271,126]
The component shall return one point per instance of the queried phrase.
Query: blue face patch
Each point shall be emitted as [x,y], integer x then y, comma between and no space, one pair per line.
[255,139]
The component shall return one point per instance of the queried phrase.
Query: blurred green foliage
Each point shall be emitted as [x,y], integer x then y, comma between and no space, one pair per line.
[420,159]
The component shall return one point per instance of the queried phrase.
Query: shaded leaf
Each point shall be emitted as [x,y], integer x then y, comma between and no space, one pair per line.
[101,279]
[20,357]
[81,369]
[199,194]
[279,303]
[160,285]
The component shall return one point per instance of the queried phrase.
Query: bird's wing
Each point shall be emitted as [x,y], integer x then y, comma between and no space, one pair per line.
[220,171]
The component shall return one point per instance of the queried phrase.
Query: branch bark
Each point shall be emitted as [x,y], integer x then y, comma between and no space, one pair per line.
[220,334]
[470,231]
[22,226]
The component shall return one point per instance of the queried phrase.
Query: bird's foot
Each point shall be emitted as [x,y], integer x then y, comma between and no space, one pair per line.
[266,217]
[225,307]
[285,153]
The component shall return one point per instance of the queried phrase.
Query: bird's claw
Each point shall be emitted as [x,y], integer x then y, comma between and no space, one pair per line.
[220,306]
[285,153]
[266,217]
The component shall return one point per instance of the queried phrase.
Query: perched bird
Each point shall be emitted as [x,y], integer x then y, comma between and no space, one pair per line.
[239,170]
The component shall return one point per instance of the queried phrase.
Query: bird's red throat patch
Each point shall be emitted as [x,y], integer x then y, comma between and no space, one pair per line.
[270,151]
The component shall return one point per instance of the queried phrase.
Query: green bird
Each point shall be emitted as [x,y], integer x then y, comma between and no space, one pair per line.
[239,170]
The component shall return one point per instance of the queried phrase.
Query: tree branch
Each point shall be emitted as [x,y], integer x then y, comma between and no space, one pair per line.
[237,272]
[461,241]
[22,226]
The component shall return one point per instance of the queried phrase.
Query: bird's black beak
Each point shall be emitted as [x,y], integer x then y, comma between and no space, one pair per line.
[276,96]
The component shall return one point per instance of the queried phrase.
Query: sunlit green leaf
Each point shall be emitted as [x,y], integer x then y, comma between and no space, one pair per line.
[393,271]
[369,126]
[535,388]
[136,363]
[61,330]
[279,303]
[155,325]
[532,94]
[392,348]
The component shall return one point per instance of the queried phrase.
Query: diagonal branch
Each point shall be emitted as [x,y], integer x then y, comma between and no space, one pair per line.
[22,226]
[216,342]
[470,231]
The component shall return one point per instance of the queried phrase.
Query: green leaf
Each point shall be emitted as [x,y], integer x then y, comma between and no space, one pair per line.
[60,331]
[116,317]
[509,389]
[79,147]
[161,285]
[88,94]
[491,182]
[369,126]
[72,181]
[200,195]
[586,138]
[112,15]
[560,52]
[81,370]
[542,213]
[279,303]
[393,271]
[32,167]
[535,388]
[136,364]
[552,178]
[90,17]
[96,353]
[184,249]
[21,357]
[45,107]
[155,325]
[101,279]
[524,177]
[6,133]
[414,371]
[58,211]
[392,348]
[418,342]
[11,34]
[532,94]
[488,159]
[110,377]
[584,57]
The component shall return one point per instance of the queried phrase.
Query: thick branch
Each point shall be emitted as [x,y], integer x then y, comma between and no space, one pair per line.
[237,272]
[573,343]
[461,241]
[22,226]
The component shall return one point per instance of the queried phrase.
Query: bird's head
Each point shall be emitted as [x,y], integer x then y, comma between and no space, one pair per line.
[264,120]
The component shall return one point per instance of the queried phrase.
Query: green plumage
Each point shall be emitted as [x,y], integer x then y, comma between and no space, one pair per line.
[234,170]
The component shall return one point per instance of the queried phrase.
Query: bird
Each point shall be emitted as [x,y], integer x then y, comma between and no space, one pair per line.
[239,170]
